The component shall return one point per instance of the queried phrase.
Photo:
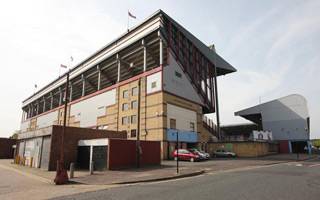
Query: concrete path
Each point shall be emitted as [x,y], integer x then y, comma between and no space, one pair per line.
[18,184]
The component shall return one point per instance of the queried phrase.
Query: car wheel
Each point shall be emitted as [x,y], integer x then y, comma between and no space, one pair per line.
[175,158]
[191,159]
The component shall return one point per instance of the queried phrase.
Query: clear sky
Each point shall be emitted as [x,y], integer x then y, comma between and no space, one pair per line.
[274,45]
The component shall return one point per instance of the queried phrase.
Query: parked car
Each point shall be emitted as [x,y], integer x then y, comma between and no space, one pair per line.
[185,154]
[224,153]
[203,155]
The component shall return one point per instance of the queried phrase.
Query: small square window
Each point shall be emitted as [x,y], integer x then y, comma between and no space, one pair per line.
[154,84]
[192,126]
[133,133]
[134,104]
[133,119]
[134,91]
[125,94]
[125,106]
[125,120]
[179,75]
[172,123]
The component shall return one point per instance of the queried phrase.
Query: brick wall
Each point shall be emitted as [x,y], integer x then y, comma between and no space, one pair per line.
[6,150]
[122,153]
[72,136]
[245,149]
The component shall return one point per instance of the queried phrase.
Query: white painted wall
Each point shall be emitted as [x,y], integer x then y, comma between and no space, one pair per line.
[154,78]
[24,125]
[87,111]
[182,116]
[47,119]
[178,86]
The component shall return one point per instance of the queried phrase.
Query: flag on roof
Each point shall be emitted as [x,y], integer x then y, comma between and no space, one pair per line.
[63,66]
[131,15]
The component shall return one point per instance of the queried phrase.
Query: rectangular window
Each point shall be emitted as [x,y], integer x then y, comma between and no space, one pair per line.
[133,119]
[192,126]
[125,94]
[133,133]
[125,120]
[179,75]
[125,106]
[134,91]
[154,84]
[172,123]
[134,104]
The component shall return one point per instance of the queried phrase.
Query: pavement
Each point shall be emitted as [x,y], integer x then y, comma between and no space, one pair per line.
[286,180]
[30,183]
[166,171]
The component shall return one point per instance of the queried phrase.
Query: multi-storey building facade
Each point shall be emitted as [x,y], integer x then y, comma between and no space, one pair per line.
[153,80]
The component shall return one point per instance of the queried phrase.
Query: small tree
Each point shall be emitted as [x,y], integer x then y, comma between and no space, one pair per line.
[15,134]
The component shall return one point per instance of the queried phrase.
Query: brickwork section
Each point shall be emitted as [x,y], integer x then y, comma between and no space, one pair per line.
[72,136]
[6,150]
[122,154]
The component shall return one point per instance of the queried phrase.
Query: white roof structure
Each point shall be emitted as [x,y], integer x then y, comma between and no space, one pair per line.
[287,117]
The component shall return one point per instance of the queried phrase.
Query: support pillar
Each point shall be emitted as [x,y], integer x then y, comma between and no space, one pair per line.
[144,56]
[60,96]
[161,52]
[51,101]
[119,68]
[44,104]
[99,77]
[37,107]
[83,85]
[70,97]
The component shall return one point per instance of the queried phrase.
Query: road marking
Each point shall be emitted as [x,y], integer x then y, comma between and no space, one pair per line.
[315,165]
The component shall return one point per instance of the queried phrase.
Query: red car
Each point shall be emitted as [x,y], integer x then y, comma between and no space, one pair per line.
[185,154]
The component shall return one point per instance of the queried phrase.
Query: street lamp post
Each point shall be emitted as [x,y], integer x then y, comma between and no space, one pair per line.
[177,150]
[62,175]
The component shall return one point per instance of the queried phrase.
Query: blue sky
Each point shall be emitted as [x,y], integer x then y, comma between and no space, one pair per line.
[274,45]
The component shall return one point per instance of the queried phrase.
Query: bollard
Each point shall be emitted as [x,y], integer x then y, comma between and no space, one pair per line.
[91,167]
[71,170]
[31,161]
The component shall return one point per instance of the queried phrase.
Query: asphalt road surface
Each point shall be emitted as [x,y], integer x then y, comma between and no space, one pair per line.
[294,181]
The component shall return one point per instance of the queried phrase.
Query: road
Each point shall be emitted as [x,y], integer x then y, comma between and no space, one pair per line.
[294,181]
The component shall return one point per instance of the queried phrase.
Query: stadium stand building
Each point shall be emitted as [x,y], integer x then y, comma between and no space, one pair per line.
[153,80]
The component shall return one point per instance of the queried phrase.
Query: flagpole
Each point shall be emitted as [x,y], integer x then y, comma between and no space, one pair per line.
[128,21]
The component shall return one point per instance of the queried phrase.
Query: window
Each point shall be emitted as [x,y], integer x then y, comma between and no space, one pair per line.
[125,94]
[172,123]
[179,75]
[125,120]
[134,91]
[154,84]
[191,126]
[134,104]
[125,106]
[133,119]
[133,133]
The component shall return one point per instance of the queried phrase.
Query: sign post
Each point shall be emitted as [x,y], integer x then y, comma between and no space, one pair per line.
[177,151]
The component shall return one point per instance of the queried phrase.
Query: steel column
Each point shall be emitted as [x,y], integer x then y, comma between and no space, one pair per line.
[60,96]
[119,68]
[70,97]
[99,77]
[83,85]
[144,56]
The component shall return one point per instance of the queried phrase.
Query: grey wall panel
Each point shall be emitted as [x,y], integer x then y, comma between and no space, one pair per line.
[45,155]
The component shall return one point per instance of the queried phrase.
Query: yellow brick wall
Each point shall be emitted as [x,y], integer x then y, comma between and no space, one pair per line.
[242,149]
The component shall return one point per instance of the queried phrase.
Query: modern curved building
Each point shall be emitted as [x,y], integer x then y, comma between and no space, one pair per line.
[287,118]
